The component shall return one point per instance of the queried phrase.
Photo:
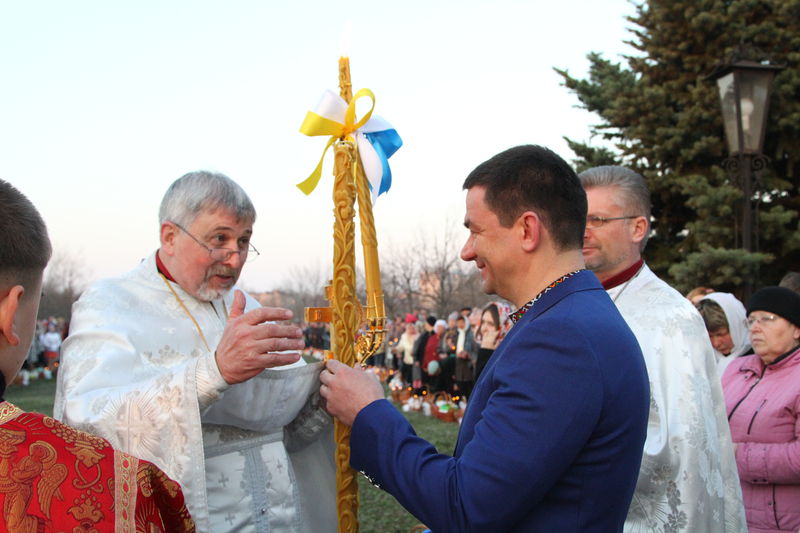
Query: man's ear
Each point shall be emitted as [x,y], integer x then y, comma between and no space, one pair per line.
[531,230]
[9,303]
[168,234]
[640,228]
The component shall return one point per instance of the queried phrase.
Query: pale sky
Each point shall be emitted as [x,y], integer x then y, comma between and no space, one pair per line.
[104,103]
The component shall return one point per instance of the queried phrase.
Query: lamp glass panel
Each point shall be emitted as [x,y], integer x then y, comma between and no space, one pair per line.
[753,93]
[728,100]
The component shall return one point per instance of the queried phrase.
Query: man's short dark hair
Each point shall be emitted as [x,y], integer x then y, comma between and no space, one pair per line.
[24,244]
[533,178]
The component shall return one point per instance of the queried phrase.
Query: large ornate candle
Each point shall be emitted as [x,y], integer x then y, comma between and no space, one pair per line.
[344,302]
[361,147]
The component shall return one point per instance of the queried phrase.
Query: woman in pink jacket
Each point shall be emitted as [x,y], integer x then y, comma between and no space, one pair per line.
[762,396]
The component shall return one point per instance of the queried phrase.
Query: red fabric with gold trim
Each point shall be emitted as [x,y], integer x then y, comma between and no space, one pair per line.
[56,478]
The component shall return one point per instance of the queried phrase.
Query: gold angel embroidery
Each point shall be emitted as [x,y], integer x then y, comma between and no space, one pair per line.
[37,471]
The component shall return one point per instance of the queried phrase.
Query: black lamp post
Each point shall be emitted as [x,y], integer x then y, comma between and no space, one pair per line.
[744,91]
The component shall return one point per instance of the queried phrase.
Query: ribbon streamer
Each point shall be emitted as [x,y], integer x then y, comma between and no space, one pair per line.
[376,139]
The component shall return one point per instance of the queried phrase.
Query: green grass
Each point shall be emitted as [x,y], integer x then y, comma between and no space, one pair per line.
[378,511]
[37,397]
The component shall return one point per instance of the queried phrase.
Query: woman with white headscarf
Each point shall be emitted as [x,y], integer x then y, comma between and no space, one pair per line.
[726,322]
[493,327]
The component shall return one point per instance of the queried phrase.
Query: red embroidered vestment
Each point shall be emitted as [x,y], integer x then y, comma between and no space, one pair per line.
[54,478]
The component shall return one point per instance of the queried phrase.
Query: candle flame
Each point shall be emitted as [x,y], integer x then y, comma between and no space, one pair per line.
[345,38]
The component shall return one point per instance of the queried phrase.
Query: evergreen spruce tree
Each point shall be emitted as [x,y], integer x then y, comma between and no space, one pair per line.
[662,115]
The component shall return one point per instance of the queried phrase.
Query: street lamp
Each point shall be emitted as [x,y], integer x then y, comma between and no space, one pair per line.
[744,91]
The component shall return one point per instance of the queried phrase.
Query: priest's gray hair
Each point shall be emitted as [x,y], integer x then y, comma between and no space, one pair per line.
[201,191]
[634,194]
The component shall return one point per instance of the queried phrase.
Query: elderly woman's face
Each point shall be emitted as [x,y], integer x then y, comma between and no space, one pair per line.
[771,335]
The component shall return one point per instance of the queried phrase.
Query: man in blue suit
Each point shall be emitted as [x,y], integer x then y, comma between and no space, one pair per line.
[552,439]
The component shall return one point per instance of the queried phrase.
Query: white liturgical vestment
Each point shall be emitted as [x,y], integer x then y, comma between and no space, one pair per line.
[253,457]
[688,481]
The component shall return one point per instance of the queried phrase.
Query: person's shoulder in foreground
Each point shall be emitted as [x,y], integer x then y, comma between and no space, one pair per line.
[56,477]
[52,476]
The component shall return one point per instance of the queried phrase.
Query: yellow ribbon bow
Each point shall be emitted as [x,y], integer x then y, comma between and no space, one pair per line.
[316,124]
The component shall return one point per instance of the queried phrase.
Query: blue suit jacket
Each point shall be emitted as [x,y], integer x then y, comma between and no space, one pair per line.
[552,439]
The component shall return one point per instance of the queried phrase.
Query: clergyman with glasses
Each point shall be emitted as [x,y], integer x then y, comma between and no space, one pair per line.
[172,363]
[688,478]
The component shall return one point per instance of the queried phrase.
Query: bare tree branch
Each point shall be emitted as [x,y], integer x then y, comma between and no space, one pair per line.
[65,278]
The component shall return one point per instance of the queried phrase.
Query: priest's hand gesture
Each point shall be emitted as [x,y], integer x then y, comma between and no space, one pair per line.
[250,341]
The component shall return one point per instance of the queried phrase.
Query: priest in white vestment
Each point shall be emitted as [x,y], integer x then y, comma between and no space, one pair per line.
[171,363]
[688,481]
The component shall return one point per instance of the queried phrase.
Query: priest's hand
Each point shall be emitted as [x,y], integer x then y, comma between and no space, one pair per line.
[248,345]
[347,390]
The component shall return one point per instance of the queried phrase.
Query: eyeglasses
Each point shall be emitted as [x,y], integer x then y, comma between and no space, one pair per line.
[762,320]
[223,254]
[595,222]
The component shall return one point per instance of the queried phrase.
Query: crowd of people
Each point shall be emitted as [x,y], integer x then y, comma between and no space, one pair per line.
[599,398]
[756,349]
[426,352]
[442,354]
[45,350]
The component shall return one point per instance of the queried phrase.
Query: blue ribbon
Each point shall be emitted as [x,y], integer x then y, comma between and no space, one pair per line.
[385,143]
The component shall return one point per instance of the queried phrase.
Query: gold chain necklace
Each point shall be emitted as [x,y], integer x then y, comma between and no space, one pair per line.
[189,314]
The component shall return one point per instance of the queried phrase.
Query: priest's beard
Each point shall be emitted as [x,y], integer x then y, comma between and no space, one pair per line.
[206,293]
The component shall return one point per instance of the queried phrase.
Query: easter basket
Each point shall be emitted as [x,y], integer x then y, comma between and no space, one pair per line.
[443,407]
[401,395]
